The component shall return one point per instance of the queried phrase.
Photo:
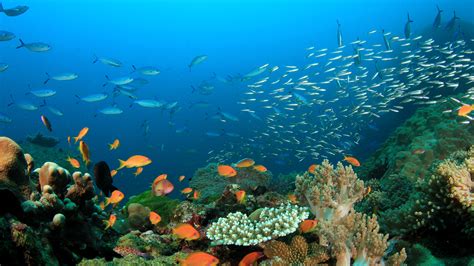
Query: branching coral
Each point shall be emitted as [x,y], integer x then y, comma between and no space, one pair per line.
[330,192]
[356,236]
[265,224]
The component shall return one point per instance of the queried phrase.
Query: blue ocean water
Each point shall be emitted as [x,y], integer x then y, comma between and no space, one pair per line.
[237,37]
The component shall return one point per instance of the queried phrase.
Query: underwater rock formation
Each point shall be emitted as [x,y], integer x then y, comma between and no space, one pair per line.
[43,141]
[262,225]
[247,178]
[55,176]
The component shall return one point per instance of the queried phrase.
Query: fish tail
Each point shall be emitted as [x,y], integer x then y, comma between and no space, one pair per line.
[76,139]
[22,44]
[134,68]
[110,147]
[107,224]
[95,59]
[122,164]
[107,202]
[46,81]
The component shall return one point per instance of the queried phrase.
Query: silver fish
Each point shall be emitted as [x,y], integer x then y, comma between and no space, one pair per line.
[35,46]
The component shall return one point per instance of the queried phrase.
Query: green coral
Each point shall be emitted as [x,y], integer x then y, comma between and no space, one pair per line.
[135,260]
[162,205]
[210,184]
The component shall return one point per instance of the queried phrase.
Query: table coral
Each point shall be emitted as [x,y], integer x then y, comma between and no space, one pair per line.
[242,230]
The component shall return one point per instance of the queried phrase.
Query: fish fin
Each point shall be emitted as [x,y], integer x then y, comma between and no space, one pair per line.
[49,77]
[122,164]
[134,68]
[110,147]
[409,19]
[22,44]
[95,59]
[106,202]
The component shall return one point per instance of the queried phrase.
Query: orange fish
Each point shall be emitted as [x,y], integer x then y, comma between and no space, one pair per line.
[135,161]
[160,177]
[308,225]
[115,198]
[74,162]
[186,231]
[240,196]
[199,259]
[113,173]
[84,149]
[260,168]
[109,223]
[154,218]
[251,258]
[465,110]
[312,168]
[102,205]
[247,162]
[352,160]
[196,194]
[114,145]
[292,198]
[226,171]
[46,123]
[69,140]
[187,190]
[181,178]
[367,191]
[81,134]
[162,187]
[139,171]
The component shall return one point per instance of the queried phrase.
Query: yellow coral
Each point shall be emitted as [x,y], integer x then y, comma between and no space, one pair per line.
[297,253]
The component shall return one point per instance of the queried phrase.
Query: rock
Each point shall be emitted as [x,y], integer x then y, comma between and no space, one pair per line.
[55,176]
[138,216]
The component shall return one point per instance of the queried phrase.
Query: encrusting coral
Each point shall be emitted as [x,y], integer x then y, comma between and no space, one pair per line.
[330,192]
[263,225]
[299,252]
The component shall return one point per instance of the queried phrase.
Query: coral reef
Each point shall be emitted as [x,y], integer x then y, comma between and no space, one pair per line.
[159,204]
[138,216]
[247,178]
[330,193]
[262,225]
[298,252]
[45,227]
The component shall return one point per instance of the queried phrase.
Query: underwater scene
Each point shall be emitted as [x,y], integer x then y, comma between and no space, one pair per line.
[237,132]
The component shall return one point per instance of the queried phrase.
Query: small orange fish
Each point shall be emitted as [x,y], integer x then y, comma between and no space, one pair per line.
[251,258]
[139,171]
[154,218]
[292,198]
[312,168]
[160,177]
[46,123]
[84,149]
[367,191]
[226,171]
[260,168]
[187,190]
[240,196]
[196,195]
[352,160]
[69,140]
[135,161]
[199,259]
[308,225]
[113,173]
[181,178]
[81,134]
[115,198]
[74,162]
[247,162]
[110,223]
[114,145]
[102,205]
[465,110]
[186,231]
[162,187]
